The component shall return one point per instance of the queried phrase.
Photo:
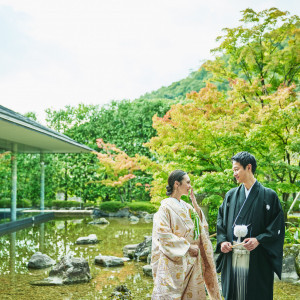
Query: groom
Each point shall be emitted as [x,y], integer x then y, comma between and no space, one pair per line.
[258,207]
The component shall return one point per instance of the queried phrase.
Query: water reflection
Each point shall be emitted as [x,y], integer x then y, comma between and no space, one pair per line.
[42,237]
[12,252]
[56,239]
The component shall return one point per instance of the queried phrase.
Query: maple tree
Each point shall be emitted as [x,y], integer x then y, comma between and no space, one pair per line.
[264,48]
[120,169]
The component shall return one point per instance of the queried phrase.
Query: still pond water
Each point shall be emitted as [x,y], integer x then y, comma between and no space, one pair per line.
[57,238]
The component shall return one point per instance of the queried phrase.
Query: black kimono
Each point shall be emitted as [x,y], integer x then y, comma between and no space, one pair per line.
[263,213]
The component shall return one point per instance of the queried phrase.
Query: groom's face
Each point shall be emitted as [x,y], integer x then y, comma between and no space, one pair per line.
[241,174]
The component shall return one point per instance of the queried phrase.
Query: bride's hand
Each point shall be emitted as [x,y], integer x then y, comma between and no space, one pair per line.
[193,198]
[193,250]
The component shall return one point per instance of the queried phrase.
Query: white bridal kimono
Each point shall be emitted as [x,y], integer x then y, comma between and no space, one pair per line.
[176,274]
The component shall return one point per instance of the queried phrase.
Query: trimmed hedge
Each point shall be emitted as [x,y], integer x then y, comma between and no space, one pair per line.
[62,203]
[114,206]
[142,206]
[6,203]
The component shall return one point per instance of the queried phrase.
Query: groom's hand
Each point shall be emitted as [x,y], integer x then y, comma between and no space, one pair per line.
[251,243]
[226,247]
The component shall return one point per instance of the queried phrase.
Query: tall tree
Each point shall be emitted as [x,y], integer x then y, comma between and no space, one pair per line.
[264,48]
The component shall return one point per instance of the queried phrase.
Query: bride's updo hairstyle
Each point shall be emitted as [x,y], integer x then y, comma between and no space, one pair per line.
[176,175]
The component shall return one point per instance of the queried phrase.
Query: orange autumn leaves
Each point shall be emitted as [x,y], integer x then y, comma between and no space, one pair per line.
[118,165]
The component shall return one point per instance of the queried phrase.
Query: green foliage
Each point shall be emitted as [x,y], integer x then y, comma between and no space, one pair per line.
[213,202]
[292,234]
[111,206]
[24,203]
[21,203]
[142,206]
[295,220]
[89,204]
[259,114]
[127,124]
[114,206]
[66,204]
[5,203]
[178,90]
[264,48]
[5,175]
[48,203]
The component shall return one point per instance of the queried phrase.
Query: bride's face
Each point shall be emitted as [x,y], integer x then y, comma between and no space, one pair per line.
[185,185]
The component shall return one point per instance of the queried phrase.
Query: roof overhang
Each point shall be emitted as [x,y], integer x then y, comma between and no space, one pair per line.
[31,137]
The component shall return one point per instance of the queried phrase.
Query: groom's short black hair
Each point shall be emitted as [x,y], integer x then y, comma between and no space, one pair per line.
[245,158]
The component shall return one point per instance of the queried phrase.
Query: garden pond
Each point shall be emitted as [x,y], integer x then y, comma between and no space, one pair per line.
[57,238]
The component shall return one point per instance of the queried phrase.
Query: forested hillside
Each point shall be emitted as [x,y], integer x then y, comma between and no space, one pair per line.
[178,90]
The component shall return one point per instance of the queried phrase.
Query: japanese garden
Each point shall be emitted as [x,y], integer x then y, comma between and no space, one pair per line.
[103,200]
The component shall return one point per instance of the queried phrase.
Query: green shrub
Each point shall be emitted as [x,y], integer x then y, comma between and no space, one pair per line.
[62,204]
[89,204]
[213,202]
[295,220]
[48,203]
[5,203]
[142,206]
[292,235]
[24,203]
[112,206]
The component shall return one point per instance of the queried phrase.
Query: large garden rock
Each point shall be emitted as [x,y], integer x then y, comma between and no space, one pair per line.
[109,261]
[99,221]
[91,239]
[289,269]
[69,270]
[147,269]
[40,261]
[121,292]
[143,249]
[122,213]
[293,250]
[298,263]
[129,250]
[149,217]
[133,219]
[140,214]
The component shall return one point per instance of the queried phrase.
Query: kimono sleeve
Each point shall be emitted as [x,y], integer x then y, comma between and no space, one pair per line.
[274,221]
[221,225]
[272,238]
[171,245]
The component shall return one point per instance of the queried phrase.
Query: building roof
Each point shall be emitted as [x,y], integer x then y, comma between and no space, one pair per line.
[32,137]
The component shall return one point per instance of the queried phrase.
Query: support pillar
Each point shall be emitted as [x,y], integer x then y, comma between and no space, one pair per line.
[13,209]
[42,204]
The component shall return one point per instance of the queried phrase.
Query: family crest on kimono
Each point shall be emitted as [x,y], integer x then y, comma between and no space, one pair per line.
[182,254]
[253,212]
